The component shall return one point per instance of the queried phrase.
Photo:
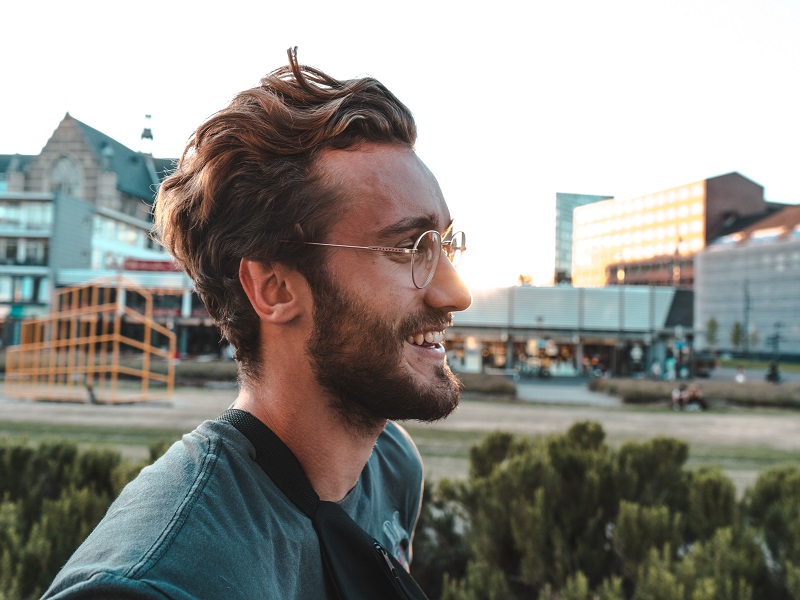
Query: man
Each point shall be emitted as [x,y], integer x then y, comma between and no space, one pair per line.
[319,243]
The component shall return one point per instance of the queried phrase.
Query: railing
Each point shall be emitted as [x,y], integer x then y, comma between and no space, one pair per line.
[78,352]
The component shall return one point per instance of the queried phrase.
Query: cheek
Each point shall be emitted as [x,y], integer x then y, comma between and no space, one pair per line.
[384,285]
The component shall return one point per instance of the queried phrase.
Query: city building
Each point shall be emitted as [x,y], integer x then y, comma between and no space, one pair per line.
[619,330]
[748,288]
[79,210]
[565,206]
[651,239]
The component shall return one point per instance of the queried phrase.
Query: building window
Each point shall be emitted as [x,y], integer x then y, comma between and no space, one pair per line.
[36,252]
[65,178]
[10,253]
[5,289]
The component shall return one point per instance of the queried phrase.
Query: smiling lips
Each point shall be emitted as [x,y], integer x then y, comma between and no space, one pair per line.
[426,338]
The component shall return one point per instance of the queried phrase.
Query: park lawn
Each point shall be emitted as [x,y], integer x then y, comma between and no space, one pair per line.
[444,452]
[133,443]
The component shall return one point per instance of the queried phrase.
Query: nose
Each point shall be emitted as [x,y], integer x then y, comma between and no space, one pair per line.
[447,291]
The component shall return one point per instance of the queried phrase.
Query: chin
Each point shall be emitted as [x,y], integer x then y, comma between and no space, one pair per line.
[437,396]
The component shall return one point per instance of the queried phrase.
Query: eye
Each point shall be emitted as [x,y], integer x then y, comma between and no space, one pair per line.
[409,242]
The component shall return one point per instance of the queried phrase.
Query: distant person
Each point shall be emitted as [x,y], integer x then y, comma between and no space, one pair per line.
[694,398]
[670,369]
[740,376]
[655,370]
[324,249]
[773,374]
[679,397]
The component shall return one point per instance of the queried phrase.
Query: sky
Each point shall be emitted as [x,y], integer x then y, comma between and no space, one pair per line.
[514,101]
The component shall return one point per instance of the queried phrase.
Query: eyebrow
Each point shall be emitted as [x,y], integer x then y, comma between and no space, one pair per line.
[426,222]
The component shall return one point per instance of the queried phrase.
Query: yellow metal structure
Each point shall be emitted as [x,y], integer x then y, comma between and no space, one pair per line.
[99,344]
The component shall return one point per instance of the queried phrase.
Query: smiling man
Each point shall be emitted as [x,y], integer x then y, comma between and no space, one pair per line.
[325,251]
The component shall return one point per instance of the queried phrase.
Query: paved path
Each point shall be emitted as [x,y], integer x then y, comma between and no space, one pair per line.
[188,407]
[548,408]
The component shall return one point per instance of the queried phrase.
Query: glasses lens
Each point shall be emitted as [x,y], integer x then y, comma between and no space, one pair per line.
[424,260]
[456,247]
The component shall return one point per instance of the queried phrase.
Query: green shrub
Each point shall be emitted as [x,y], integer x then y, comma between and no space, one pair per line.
[751,393]
[773,506]
[567,517]
[562,517]
[480,383]
[712,502]
[439,544]
[53,495]
[724,567]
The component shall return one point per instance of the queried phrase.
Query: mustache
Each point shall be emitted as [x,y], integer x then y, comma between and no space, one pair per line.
[428,318]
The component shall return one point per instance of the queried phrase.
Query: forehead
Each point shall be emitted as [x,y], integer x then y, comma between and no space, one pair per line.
[380,187]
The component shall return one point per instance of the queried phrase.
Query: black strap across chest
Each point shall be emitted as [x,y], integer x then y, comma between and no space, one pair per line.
[356,565]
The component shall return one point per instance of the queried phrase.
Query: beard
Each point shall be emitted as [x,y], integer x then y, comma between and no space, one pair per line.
[359,359]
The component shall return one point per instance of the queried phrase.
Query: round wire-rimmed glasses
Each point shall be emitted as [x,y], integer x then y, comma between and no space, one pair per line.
[424,254]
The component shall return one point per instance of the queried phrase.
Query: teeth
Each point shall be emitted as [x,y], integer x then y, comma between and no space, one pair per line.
[427,337]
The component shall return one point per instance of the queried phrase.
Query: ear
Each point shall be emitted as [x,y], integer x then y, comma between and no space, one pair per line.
[274,291]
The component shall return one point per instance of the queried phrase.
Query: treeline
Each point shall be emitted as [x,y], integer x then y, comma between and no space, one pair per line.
[570,518]
[560,518]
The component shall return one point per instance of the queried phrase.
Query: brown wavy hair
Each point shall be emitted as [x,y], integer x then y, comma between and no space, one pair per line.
[246,182]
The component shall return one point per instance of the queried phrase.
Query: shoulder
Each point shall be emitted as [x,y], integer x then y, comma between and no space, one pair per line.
[203,503]
[397,456]
[394,440]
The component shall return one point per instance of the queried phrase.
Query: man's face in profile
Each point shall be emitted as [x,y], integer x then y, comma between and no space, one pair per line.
[377,340]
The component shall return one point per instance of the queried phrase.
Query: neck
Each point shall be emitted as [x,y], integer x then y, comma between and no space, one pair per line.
[331,453]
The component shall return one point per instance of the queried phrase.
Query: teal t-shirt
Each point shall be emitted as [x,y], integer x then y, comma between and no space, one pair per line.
[204,521]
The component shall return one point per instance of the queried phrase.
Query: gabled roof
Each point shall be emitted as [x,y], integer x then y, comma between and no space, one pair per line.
[787,219]
[739,224]
[138,174]
[164,167]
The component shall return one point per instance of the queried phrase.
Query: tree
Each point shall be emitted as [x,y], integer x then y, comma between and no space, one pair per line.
[712,332]
[569,518]
[754,339]
[737,335]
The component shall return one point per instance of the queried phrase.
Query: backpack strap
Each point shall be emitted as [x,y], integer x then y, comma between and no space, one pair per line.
[356,565]
[276,460]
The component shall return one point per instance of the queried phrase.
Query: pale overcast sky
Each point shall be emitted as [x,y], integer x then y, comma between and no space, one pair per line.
[515,101]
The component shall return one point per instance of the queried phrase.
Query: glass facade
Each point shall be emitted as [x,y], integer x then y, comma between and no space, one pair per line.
[752,287]
[667,223]
[28,216]
[565,207]
[114,241]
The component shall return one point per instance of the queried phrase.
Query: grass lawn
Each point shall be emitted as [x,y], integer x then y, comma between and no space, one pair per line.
[445,452]
[132,442]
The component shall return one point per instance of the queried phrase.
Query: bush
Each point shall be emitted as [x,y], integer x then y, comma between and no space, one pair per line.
[481,383]
[567,517]
[53,495]
[562,517]
[751,393]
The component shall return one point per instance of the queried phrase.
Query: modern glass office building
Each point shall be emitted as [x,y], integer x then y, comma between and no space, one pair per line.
[565,208]
[748,283]
[655,233]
